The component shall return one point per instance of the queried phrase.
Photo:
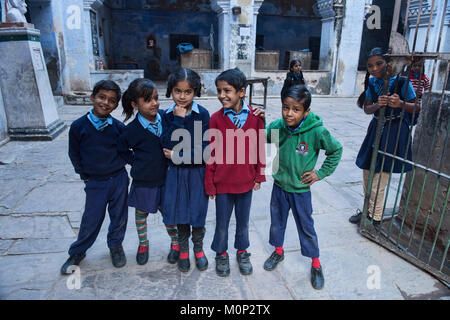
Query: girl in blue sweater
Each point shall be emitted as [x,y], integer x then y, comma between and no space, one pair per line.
[148,164]
[185,201]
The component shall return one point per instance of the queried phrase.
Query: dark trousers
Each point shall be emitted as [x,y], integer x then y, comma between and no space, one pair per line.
[301,206]
[184,232]
[113,193]
[224,207]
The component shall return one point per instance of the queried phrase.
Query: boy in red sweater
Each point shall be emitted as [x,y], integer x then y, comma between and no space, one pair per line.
[235,169]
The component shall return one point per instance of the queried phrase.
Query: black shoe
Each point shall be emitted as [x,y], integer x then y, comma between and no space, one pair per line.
[173,256]
[317,280]
[245,266]
[118,257]
[376,224]
[73,260]
[184,265]
[142,257]
[356,218]
[201,263]
[272,261]
[223,265]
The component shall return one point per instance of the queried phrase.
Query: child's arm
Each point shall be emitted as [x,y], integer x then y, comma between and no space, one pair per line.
[261,163]
[169,126]
[333,151]
[74,151]
[210,188]
[123,148]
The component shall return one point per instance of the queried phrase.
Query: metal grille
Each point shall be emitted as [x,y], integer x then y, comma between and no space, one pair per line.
[415,222]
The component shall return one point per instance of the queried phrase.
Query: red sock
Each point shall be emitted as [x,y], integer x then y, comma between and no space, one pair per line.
[184,255]
[199,254]
[176,247]
[241,251]
[279,250]
[315,263]
[222,254]
[143,249]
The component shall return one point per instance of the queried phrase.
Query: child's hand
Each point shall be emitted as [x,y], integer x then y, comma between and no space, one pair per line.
[383,101]
[310,177]
[257,186]
[167,153]
[258,112]
[212,197]
[395,102]
[179,111]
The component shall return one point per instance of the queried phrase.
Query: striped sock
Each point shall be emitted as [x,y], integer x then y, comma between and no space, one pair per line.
[141,226]
[172,231]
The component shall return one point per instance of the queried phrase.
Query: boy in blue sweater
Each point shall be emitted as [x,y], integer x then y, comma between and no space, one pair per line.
[93,151]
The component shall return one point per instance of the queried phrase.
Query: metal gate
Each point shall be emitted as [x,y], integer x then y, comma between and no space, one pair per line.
[416,219]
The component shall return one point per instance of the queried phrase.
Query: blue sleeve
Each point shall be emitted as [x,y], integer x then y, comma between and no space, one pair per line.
[410,94]
[169,126]
[124,149]
[74,149]
[369,94]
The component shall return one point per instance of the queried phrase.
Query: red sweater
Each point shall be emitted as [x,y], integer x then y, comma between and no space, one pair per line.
[238,156]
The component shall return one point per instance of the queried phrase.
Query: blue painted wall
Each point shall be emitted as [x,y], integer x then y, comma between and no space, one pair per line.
[130,29]
[41,16]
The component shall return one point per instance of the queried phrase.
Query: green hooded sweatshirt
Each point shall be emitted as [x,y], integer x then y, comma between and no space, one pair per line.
[298,152]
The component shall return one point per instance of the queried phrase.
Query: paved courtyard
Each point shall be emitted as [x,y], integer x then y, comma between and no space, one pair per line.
[42,199]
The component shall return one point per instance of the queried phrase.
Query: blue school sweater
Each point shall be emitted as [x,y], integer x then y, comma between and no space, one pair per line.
[148,163]
[195,143]
[94,153]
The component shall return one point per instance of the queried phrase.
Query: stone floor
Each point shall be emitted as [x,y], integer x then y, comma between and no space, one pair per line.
[42,199]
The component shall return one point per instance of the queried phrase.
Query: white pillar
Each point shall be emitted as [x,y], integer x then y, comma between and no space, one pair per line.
[349,49]
[328,36]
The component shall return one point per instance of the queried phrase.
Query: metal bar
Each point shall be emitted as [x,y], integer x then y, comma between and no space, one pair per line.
[406,206]
[418,165]
[419,14]
[439,225]
[435,191]
[396,15]
[444,255]
[406,19]
[442,25]
[429,26]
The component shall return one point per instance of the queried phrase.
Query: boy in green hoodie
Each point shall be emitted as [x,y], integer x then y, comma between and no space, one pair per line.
[301,135]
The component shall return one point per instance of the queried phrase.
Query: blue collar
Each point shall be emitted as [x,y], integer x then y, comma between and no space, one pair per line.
[245,108]
[298,128]
[195,108]
[146,123]
[99,123]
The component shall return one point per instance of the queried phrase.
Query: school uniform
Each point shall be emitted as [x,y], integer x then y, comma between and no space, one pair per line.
[298,151]
[292,79]
[233,183]
[94,155]
[390,129]
[148,163]
[185,202]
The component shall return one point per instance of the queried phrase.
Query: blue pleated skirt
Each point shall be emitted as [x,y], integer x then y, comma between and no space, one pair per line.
[185,200]
[146,199]
[387,144]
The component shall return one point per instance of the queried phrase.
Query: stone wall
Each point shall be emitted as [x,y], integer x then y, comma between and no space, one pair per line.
[439,153]
[318,82]
[122,77]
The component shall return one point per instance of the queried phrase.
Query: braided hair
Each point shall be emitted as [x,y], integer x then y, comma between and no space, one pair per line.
[362,97]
